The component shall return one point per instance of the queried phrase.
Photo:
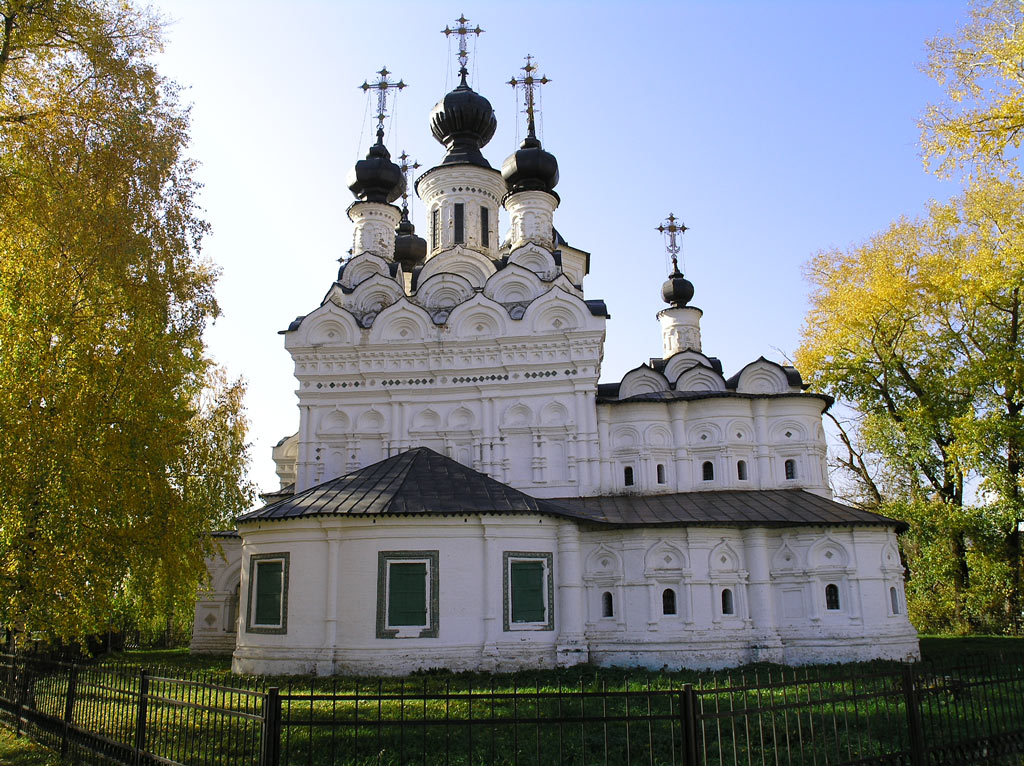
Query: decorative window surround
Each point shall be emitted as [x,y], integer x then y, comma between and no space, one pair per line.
[508,558]
[267,565]
[384,561]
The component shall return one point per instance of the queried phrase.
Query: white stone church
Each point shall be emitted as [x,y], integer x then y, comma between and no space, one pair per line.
[463,493]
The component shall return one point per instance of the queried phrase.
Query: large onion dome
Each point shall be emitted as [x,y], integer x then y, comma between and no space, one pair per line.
[677,290]
[377,178]
[464,122]
[410,249]
[531,168]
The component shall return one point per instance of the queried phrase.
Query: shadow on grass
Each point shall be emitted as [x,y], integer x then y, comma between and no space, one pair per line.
[21,751]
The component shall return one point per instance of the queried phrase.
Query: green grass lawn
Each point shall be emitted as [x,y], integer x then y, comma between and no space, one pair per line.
[21,751]
[830,711]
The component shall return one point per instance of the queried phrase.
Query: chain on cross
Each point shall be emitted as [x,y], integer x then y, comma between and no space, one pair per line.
[463,30]
[384,87]
[671,229]
[529,82]
[407,165]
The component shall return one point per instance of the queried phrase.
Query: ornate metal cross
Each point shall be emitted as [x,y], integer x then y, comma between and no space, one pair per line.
[463,31]
[406,164]
[671,229]
[383,86]
[528,82]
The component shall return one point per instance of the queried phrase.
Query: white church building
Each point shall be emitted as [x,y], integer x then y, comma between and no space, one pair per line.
[463,493]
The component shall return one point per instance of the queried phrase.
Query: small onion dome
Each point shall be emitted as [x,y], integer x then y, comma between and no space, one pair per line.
[677,290]
[377,178]
[531,168]
[464,122]
[410,250]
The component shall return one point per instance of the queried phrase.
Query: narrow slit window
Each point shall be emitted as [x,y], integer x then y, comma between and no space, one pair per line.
[607,605]
[435,228]
[728,607]
[460,223]
[485,226]
[741,470]
[627,476]
[790,469]
[708,470]
[894,600]
[668,601]
[832,597]
[661,473]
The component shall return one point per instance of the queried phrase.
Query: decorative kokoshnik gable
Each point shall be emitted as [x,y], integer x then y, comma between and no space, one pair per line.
[461,491]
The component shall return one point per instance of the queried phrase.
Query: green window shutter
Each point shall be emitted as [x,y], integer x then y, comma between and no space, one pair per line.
[527,591]
[407,594]
[268,592]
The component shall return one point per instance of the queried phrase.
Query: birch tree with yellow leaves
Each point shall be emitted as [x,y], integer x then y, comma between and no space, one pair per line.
[980,123]
[121,447]
[919,330]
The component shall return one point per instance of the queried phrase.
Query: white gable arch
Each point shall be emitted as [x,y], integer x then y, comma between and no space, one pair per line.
[401,322]
[373,295]
[785,558]
[762,377]
[514,284]
[603,562]
[461,419]
[658,436]
[554,414]
[642,380]
[473,266]
[426,420]
[556,312]
[534,258]
[334,422]
[625,438]
[681,361]
[704,435]
[828,553]
[479,317]
[371,422]
[664,558]
[740,430]
[518,415]
[443,291]
[363,266]
[328,325]
[788,431]
[724,558]
[700,378]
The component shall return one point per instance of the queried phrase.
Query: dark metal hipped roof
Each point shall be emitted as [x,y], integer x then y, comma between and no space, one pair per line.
[419,481]
[767,508]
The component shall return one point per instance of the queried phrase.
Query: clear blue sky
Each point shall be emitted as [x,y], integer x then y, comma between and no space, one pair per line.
[772,129]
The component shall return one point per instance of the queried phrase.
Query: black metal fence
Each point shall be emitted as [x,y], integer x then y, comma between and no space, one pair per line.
[953,713]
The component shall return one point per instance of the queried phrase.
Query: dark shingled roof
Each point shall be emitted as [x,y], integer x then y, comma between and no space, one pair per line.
[419,481]
[422,481]
[766,507]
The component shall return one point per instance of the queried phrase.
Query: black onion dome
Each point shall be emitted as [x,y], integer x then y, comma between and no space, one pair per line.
[531,168]
[377,178]
[677,290]
[410,250]
[464,122]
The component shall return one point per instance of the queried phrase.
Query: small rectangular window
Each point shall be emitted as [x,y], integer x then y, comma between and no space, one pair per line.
[435,229]
[267,610]
[407,598]
[485,233]
[529,591]
[660,471]
[459,222]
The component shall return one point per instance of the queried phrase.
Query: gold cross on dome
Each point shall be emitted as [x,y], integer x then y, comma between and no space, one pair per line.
[671,229]
[463,30]
[383,86]
[528,82]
